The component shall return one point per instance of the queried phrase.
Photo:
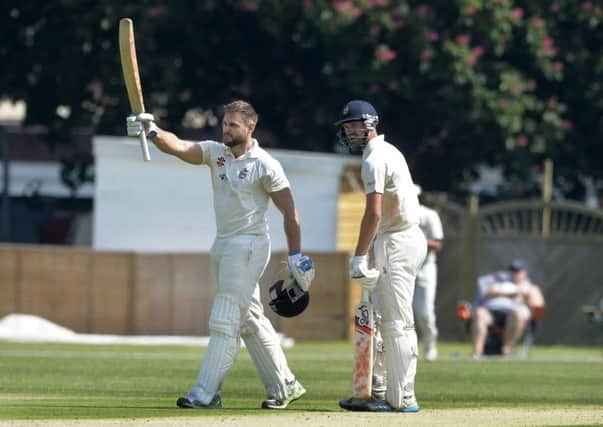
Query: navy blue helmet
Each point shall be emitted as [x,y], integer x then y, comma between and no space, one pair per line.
[288,301]
[356,110]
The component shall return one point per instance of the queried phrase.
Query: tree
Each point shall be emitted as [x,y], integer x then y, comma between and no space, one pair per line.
[456,82]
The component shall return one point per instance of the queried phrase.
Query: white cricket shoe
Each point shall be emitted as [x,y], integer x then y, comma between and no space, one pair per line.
[431,353]
[295,392]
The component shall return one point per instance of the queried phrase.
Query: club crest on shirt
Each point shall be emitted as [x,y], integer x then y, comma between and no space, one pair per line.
[243,173]
[220,162]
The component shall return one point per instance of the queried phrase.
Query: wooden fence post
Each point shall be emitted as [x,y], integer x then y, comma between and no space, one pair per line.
[547,192]
[471,232]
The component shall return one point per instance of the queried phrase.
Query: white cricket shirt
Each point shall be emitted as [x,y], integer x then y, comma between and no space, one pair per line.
[431,225]
[384,171]
[241,186]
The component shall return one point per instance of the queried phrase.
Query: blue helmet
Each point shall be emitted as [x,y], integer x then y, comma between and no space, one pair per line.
[356,110]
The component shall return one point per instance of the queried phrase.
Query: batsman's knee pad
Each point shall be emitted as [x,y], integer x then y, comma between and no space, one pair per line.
[225,317]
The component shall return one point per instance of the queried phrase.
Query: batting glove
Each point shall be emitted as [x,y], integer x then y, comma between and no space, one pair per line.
[360,272]
[136,123]
[301,268]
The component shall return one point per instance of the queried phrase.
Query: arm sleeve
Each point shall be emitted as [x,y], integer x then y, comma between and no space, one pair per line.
[273,176]
[373,177]
[209,148]
[435,225]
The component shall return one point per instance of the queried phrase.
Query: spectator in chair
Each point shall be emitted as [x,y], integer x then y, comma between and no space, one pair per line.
[509,293]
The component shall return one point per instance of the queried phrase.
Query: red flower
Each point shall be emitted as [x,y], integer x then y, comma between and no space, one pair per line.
[374,31]
[566,125]
[521,141]
[587,6]
[547,45]
[249,5]
[537,22]
[463,39]
[426,55]
[433,36]
[385,54]
[476,54]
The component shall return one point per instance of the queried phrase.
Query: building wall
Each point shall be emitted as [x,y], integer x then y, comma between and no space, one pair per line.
[167,205]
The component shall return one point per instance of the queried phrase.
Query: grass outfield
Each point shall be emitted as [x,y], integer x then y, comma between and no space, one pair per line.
[70,381]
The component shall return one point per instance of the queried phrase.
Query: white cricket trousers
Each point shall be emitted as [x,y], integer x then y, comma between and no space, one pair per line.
[398,256]
[424,302]
[239,262]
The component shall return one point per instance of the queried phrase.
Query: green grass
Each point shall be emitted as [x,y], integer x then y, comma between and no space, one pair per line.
[46,381]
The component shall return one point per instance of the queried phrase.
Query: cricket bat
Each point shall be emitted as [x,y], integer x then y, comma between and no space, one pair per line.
[364,331]
[129,66]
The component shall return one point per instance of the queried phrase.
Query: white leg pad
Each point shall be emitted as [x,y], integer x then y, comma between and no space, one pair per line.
[379,370]
[401,363]
[222,350]
[263,345]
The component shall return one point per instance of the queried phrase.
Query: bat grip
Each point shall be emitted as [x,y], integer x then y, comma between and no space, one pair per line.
[145,146]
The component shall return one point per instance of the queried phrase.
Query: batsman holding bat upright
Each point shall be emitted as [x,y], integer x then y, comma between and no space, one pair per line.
[244,179]
[391,220]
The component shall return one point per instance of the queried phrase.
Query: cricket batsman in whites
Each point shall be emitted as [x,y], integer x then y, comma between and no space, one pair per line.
[391,224]
[244,178]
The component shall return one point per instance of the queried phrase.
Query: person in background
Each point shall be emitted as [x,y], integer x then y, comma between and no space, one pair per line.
[426,281]
[505,297]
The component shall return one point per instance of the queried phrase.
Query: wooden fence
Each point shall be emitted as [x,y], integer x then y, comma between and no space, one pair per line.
[135,293]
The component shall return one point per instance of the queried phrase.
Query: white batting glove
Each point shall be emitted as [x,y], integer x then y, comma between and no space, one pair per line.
[360,272]
[136,124]
[302,269]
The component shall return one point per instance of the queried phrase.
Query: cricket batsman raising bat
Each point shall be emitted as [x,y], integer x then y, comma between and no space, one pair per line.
[129,66]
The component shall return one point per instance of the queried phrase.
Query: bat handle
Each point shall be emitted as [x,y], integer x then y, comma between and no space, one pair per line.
[364,295]
[145,147]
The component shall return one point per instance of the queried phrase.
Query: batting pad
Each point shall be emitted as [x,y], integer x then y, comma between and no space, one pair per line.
[267,354]
[222,350]
[401,363]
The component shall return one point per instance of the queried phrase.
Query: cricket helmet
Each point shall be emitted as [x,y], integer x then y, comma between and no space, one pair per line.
[356,110]
[288,301]
[518,264]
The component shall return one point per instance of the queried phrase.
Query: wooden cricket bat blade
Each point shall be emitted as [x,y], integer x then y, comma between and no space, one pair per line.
[129,66]
[364,330]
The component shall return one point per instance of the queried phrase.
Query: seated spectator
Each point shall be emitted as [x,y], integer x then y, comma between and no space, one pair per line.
[505,297]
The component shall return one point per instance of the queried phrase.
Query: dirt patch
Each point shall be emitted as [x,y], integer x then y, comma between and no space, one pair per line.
[437,417]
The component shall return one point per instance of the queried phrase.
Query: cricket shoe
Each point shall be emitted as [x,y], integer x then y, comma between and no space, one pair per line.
[410,405]
[375,405]
[189,402]
[295,392]
[365,405]
[431,354]
[410,409]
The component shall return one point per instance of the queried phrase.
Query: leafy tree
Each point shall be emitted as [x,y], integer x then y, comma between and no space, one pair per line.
[456,82]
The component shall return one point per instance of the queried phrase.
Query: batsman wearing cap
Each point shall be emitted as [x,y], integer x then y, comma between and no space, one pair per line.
[244,179]
[391,224]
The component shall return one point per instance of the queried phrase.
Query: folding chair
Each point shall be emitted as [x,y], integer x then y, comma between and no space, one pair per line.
[496,331]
